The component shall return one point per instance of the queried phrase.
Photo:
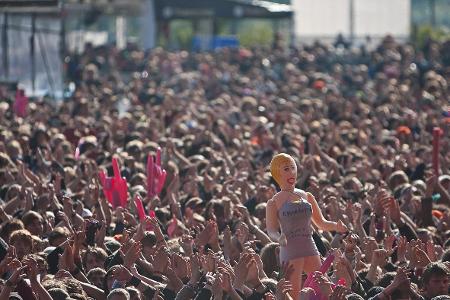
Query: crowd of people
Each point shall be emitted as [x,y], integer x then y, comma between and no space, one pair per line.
[359,124]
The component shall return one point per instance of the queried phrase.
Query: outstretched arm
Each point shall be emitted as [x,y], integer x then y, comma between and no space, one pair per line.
[320,221]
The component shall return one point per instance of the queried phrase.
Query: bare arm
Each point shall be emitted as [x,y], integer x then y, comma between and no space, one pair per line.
[272,224]
[317,216]
[92,290]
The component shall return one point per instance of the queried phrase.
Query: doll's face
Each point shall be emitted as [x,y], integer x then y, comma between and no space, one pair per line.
[288,173]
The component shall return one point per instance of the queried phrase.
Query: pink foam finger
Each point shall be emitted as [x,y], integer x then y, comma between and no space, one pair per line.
[122,188]
[115,201]
[150,175]
[20,104]
[106,184]
[109,189]
[151,214]
[157,171]
[102,177]
[161,181]
[116,168]
[139,207]
[158,157]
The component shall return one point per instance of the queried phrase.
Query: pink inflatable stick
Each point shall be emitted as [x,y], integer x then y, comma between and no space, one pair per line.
[310,282]
[323,269]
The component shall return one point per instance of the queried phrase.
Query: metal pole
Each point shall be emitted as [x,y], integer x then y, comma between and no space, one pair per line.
[62,48]
[46,65]
[5,44]
[433,13]
[62,42]
[352,20]
[32,52]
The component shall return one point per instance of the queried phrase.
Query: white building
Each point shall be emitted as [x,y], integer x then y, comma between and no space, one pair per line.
[325,19]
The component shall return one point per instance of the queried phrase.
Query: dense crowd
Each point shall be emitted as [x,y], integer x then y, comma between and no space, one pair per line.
[358,122]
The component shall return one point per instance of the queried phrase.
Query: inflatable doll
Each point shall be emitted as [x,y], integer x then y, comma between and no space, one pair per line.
[292,211]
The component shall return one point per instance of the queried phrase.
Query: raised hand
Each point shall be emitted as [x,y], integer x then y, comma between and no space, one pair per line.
[121,273]
[181,266]
[240,269]
[325,285]
[389,244]
[431,250]
[156,175]
[253,271]
[394,209]
[186,243]
[195,269]
[16,276]
[356,214]
[341,227]
[226,280]
[31,267]
[339,293]
[63,274]
[401,278]
[284,287]
[401,249]
[307,293]
[132,254]
[161,260]
[10,261]
[379,257]
[421,258]
[216,288]
[242,233]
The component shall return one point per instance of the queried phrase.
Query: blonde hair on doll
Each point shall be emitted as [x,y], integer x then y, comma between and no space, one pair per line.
[276,163]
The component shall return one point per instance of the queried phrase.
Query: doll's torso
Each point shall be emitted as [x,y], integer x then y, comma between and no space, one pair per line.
[295,219]
[294,216]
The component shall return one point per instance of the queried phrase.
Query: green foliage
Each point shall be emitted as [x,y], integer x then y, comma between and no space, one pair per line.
[182,32]
[255,32]
[424,32]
